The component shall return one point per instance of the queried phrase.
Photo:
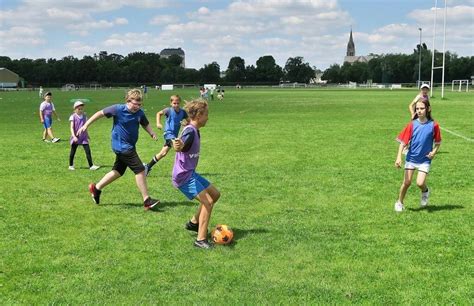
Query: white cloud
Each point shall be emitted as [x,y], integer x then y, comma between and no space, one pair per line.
[203,10]
[121,21]
[163,19]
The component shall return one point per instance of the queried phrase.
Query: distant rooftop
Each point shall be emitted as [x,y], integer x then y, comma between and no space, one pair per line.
[171,51]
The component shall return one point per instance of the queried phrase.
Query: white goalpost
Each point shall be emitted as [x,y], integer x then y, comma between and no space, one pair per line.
[460,82]
[419,83]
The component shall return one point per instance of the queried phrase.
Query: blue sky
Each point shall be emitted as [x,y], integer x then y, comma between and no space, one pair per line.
[214,30]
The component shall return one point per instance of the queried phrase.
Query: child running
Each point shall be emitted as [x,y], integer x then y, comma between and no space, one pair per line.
[420,134]
[174,115]
[78,119]
[127,119]
[423,94]
[185,177]
[46,112]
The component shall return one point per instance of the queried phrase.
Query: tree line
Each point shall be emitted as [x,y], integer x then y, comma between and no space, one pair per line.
[149,68]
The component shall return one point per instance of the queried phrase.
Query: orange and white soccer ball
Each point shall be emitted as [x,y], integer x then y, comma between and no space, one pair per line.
[222,234]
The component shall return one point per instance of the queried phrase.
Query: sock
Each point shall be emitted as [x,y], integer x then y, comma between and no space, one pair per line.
[152,162]
[425,190]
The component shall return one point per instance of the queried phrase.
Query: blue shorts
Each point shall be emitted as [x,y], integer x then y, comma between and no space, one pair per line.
[194,186]
[47,122]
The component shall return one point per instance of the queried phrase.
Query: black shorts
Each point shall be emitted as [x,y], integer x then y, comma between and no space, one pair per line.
[168,143]
[128,159]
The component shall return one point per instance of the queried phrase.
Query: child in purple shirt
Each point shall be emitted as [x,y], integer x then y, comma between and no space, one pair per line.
[185,177]
[46,112]
[77,119]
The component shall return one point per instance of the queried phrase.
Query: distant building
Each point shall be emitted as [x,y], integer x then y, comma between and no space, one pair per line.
[351,56]
[165,53]
[8,78]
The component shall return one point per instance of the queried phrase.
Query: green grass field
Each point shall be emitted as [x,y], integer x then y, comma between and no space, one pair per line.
[308,185]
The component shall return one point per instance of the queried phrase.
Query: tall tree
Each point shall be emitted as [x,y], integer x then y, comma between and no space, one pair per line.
[298,71]
[267,70]
[236,70]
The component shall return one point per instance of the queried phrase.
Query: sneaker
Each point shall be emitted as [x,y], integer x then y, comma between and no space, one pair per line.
[147,169]
[399,206]
[203,244]
[191,226]
[424,198]
[54,140]
[95,193]
[46,140]
[94,167]
[149,203]
[72,168]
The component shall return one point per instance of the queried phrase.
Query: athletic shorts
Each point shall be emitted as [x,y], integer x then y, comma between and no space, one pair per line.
[128,159]
[47,122]
[194,186]
[420,167]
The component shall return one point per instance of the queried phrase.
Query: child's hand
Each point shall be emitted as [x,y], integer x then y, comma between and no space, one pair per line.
[178,144]
[81,130]
[74,139]
[398,162]
[431,155]
[159,126]
[153,136]
[42,120]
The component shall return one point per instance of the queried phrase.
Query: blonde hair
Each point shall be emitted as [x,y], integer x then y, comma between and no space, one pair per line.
[134,94]
[175,97]
[195,108]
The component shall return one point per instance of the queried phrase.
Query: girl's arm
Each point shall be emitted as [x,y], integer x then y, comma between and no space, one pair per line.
[158,119]
[398,161]
[74,138]
[91,120]
[432,154]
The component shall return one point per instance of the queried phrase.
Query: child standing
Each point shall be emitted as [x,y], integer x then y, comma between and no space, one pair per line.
[127,119]
[46,112]
[174,115]
[78,119]
[185,177]
[423,94]
[420,133]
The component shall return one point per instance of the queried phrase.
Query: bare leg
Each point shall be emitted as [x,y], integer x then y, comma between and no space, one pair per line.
[207,198]
[405,185]
[421,181]
[140,178]
[45,133]
[50,132]
[164,151]
[107,179]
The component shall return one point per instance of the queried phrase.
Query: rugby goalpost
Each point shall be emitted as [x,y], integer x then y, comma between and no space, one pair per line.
[419,83]
[460,85]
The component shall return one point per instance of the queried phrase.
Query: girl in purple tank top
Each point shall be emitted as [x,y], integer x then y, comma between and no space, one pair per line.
[77,119]
[185,177]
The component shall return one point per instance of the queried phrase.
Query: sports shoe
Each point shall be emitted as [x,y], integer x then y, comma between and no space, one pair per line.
[54,140]
[46,140]
[94,167]
[72,168]
[399,206]
[424,198]
[95,193]
[191,226]
[147,169]
[149,203]
[203,244]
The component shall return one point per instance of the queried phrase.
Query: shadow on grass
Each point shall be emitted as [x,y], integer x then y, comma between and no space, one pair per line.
[157,208]
[241,233]
[434,208]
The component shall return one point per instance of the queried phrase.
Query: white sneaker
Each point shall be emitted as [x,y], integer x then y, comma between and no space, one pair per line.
[147,170]
[399,206]
[71,168]
[54,140]
[94,167]
[424,198]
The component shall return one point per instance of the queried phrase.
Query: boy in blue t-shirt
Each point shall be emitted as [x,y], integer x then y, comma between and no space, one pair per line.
[127,119]
[174,115]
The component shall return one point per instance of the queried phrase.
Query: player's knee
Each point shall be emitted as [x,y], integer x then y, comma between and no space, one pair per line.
[420,184]
[407,183]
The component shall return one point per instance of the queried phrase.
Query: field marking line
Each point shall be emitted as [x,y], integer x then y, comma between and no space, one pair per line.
[456,134]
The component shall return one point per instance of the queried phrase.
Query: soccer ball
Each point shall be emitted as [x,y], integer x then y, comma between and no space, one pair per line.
[222,234]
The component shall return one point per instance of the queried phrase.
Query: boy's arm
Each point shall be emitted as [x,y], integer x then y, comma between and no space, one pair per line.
[56,114]
[150,131]
[91,120]
[398,161]
[41,116]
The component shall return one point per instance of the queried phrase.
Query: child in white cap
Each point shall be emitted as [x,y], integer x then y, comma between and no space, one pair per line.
[77,119]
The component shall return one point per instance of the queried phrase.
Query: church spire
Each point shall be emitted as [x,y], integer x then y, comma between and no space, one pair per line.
[350,46]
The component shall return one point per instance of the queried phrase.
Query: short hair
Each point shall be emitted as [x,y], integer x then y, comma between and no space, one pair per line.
[195,107]
[48,93]
[175,97]
[135,94]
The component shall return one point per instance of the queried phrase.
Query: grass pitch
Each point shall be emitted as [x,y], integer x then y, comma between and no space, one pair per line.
[308,185]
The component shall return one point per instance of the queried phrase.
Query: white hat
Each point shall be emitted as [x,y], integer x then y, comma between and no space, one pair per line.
[425,86]
[78,103]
